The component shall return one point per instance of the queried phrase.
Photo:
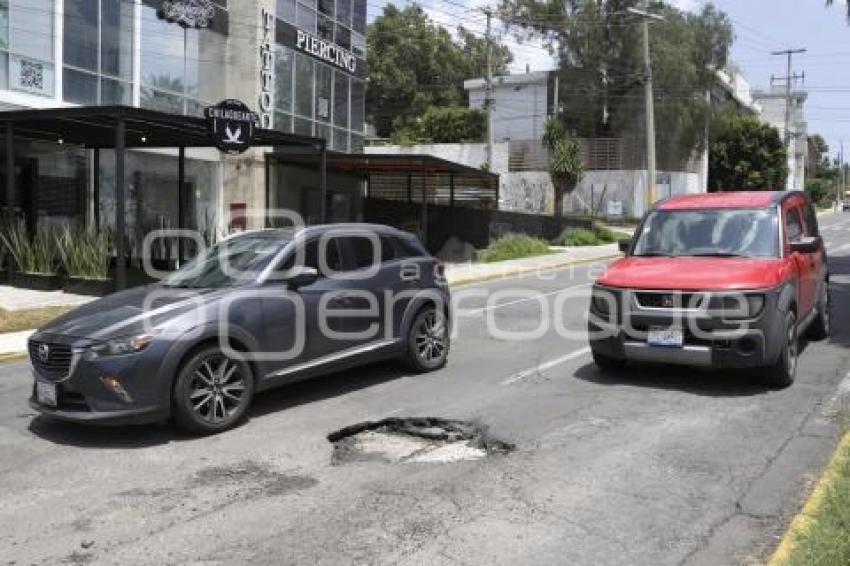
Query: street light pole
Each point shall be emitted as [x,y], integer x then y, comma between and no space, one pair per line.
[649,102]
[488,93]
[789,53]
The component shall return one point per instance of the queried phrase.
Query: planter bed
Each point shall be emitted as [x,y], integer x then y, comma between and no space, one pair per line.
[84,286]
[36,281]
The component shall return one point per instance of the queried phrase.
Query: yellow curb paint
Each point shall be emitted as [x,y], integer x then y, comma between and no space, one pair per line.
[523,271]
[808,516]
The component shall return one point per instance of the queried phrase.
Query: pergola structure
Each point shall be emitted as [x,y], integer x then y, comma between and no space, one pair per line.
[123,127]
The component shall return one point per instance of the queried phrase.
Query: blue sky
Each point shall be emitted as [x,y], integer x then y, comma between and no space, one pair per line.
[761,26]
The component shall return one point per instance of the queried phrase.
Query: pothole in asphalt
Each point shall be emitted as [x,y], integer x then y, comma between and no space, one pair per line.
[409,440]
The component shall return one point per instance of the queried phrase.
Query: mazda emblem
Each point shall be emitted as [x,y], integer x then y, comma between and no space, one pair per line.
[43,352]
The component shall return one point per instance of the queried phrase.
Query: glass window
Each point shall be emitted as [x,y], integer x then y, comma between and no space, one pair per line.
[326,7]
[304,85]
[162,101]
[343,37]
[325,28]
[79,87]
[114,92]
[163,53]
[362,250]
[711,232]
[303,127]
[308,3]
[324,81]
[283,122]
[116,26]
[358,45]
[284,63]
[356,143]
[340,141]
[340,100]
[358,15]
[31,33]
[811,220]
[343,12]
[305,18]
[323,131]
[286,10]
[4,71]
[80,34]
[4,24]
[358,102]
[793,226]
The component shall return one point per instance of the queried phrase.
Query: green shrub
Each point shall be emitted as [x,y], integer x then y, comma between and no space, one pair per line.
[85,252]
[595,236]
[514,246]
[31,256]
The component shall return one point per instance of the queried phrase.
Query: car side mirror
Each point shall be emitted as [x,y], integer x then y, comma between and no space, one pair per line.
[624,245]
[807,245]
[301,277]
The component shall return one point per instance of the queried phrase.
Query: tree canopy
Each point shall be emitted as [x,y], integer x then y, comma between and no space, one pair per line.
[746,153]
[566,167]
[415,64]
[601,68]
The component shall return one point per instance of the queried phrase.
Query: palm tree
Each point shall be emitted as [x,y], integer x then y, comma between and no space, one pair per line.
[566,167]
[847,2]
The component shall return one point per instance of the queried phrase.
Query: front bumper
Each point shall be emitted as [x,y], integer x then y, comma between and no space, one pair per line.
[83,396]
[709,341]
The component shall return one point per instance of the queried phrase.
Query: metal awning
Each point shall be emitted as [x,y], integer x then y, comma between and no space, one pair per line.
[123,127]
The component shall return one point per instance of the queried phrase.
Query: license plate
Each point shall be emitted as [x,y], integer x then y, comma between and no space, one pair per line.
[672,337]
[45,393]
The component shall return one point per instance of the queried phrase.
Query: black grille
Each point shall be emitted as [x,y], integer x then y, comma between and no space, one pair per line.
[56,365]
[670,300]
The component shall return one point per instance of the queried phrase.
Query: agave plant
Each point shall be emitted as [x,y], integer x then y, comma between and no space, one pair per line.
[85,252]
[36,255]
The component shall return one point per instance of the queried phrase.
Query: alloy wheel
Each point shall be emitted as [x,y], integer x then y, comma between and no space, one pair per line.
[216,389]
[430,337]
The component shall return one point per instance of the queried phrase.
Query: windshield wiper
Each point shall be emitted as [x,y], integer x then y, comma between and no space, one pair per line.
[655,254]
[718,254]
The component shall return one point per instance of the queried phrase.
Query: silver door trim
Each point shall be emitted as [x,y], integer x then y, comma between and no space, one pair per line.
[336,356]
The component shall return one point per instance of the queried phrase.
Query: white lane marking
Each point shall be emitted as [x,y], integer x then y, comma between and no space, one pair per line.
[524,300]
[546,366]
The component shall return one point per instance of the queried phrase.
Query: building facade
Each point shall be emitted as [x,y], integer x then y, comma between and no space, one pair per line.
[299,63]
[773,103]
[521,103]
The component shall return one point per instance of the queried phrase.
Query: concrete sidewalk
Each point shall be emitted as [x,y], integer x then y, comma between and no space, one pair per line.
[462,273]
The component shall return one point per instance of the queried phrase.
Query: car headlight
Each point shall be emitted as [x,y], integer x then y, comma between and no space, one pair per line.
[603,301]
[740,306]
[120,346]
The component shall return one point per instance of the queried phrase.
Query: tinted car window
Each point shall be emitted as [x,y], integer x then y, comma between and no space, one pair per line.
[312,255]
[362,250]
[408,247]
[811,221]
[389,249]
[793,226]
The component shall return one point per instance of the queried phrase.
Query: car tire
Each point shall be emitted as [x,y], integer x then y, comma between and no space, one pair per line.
[427,345]
[819,329]
[784,371]
[607,363]
[212,392]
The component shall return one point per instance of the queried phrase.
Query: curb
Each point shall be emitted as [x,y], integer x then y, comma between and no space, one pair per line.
[12,357]
[523,271]
[808,516]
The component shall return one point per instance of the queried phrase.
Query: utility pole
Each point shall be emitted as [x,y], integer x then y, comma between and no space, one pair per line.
[789,77]
[488,92]
[645,14]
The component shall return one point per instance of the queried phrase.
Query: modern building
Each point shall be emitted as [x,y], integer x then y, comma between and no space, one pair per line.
[299,63]
[773,103]
[521,103]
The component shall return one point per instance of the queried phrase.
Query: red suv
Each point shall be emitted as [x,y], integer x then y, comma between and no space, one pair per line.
[724,280]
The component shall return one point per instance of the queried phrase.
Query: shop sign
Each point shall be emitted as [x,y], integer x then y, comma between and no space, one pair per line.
[326,51]
[187,13]
[231,125]
[267,70]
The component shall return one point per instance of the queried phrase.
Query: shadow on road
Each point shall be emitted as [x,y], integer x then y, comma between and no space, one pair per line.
[279,399]
[839,270]
[689,380]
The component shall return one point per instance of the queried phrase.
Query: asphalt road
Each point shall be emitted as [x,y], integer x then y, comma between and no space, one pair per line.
[653,466]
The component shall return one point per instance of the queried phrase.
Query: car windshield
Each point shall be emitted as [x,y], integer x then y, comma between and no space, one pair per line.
[719,233]
[234,261]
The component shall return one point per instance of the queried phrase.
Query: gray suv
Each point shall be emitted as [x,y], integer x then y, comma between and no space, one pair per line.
[257,310]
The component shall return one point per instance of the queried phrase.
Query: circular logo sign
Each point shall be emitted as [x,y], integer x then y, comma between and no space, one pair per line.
[231,125]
